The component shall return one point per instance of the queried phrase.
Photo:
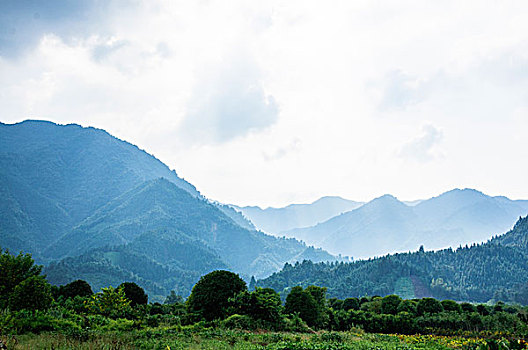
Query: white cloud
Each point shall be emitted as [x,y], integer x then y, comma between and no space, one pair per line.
[218,90]
[421,148]
[228,101]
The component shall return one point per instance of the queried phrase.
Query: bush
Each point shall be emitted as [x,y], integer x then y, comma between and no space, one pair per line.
[33,293]
[237,321]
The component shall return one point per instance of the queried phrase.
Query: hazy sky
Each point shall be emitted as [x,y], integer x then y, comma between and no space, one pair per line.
[273,102]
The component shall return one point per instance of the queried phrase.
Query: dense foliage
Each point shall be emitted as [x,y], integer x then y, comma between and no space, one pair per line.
[496,270]
[220,303]
[210,296]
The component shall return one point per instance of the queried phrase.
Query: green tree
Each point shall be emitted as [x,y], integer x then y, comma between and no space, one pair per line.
[450,305]
[110,302]
[134,293]
[302,303]
[408,306]
[13,270]
[389,304]
[468,307]
[209,297]
[429,305]
[33,293]
[76,288]
[262,304]
[351,304]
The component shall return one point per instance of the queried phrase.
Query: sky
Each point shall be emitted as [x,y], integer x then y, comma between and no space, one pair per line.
[275,102]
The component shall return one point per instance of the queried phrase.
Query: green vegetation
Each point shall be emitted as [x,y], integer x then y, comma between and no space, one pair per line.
[496,270]
[222,314]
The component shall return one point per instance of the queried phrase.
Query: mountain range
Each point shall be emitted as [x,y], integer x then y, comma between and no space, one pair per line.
[293,216]
[91,206]
[493,271]
[387,225]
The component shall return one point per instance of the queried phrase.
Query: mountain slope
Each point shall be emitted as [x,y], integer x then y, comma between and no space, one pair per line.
[94,207]
[278,220]
[386,225]
[494,270]
[160,205]
[58,175]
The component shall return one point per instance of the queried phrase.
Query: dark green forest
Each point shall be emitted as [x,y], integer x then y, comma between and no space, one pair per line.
[496,270]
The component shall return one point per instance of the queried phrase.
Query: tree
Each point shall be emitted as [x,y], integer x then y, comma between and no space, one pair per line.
[13,270]
[76,288]
[262,304]
[351,304]
[429,305]
[109,302]
[209,297]
[389,304]
[134,293]
[408,306]
[33,293]
[303,303]
[450,305]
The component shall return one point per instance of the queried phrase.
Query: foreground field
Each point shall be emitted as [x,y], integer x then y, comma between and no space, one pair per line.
[186,338]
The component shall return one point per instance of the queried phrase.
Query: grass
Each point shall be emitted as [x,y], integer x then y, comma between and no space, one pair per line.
[172,339]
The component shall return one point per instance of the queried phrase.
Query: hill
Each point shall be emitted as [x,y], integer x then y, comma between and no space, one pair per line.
[386,225]
[110,210]
[497,269]
[278,220]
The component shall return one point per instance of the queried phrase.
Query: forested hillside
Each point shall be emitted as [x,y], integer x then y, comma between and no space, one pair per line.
[115,212]
[497,269]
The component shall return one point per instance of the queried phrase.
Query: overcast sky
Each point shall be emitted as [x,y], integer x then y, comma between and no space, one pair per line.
[274,102]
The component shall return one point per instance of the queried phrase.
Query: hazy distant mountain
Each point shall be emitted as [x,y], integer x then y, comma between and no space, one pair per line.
[277,220]
[386,225]
[112,211]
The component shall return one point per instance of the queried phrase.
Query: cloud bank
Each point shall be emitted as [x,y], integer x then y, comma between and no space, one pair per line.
[226,93]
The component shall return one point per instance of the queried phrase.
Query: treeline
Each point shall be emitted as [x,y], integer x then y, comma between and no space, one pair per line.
[496,270]
[221,299]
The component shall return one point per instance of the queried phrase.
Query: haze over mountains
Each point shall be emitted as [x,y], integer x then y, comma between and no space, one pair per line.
[113,212]
[387,225]
[278,220]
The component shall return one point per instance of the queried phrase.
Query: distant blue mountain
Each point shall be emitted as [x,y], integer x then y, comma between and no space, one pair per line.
[386,225]
[278,220]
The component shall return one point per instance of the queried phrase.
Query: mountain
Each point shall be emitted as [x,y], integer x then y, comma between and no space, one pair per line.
[278,220]
[497,269]
[91,206]
[52,177]
[386,225]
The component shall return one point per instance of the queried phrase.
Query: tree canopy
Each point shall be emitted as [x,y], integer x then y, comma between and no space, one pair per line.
[210,296]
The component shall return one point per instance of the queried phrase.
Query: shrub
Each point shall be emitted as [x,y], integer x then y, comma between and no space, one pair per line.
[32,293]
[237,321]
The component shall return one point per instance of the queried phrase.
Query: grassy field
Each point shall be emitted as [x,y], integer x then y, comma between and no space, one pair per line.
[171,339]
